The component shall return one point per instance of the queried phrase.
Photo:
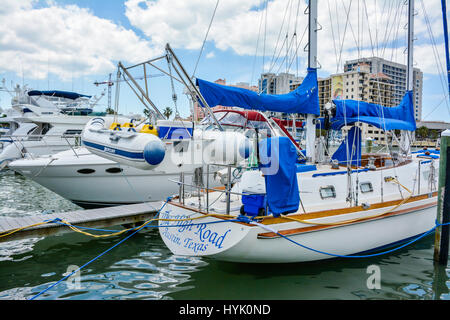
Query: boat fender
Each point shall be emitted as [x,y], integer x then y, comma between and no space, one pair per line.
[154,152]
[245,149]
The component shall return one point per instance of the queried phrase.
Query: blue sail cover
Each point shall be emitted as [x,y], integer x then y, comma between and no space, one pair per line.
[278,158]
[350,149]
[305,99]
[400,117]
[56,93]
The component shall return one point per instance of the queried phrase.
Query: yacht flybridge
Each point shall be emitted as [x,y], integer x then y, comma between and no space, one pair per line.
[44,122]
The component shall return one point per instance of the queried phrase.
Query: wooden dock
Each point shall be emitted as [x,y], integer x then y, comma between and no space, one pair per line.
[93,218]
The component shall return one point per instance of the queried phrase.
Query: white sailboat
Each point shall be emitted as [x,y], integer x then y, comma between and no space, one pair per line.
[286,211]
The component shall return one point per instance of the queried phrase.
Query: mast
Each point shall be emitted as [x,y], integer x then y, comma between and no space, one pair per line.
[410,70]
[406,136]
[447,54]
[312,63]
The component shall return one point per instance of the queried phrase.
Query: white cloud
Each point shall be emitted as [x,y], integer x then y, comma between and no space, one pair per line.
[376,27]
[71,41]
[184,24]
[66,40]
[210,55]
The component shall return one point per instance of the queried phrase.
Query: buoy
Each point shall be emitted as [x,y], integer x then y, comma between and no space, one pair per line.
[227,147]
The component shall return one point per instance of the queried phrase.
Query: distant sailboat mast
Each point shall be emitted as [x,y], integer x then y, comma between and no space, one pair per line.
[447,54]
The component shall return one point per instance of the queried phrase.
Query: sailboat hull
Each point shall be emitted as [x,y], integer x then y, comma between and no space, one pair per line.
[292,241]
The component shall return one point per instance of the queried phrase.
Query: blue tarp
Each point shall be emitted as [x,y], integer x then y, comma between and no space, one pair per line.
[351,146]
[400,117]
[305,99]
[278,158]
[56,93]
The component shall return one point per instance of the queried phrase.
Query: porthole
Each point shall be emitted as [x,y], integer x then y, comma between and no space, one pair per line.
[86,171]
[327,192]
[114,170]
[366,187]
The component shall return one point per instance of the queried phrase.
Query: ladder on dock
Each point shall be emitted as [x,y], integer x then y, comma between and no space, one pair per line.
[93,218]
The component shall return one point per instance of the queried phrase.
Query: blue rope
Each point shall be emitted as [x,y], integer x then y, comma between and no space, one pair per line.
[368,255]
[100,255]
[57,220]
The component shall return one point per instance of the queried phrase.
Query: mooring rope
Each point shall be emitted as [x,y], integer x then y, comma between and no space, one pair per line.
[101,254]
[136,230]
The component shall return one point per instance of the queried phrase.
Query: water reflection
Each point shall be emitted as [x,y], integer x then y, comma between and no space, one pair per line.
[143,268]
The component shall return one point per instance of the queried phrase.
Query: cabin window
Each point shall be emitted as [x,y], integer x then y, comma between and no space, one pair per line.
[114,170]
[46,128]
[181,146]
[327,192]
[72,132]
[86,171]
[366,187]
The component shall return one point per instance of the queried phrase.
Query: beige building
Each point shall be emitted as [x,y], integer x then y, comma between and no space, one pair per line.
[398,74]
[362,85]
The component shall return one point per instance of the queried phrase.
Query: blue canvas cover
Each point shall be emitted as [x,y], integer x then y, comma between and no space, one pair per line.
[57,93]
[278,158]
[351,146]
[400,117]
[305,99]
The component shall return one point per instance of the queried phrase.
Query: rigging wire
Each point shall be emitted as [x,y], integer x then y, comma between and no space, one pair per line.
[279,35]
[206,37]
[265,35]
[437,58]
[332,32]
[343,37]
[257,45]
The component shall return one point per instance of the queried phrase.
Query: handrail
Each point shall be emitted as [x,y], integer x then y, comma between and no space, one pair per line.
[42,135]
[227,191]
[19,140]
[215,189]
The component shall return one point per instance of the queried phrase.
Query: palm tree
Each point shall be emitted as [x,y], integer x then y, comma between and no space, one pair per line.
[423,132]
[147,113]
[167,112]
[110,110]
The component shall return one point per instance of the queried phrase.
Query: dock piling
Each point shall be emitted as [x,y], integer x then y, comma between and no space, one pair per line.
[441,243]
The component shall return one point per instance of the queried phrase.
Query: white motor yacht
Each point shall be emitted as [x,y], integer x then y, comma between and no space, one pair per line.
[90,180]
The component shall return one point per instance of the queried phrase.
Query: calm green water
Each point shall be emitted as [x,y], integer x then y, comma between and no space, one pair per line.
[143,268]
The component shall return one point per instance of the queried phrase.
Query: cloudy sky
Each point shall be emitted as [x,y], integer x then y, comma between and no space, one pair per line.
[70,44]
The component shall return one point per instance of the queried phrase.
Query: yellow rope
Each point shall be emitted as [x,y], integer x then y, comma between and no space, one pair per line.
[357,219]
[19,229]
[140,227]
